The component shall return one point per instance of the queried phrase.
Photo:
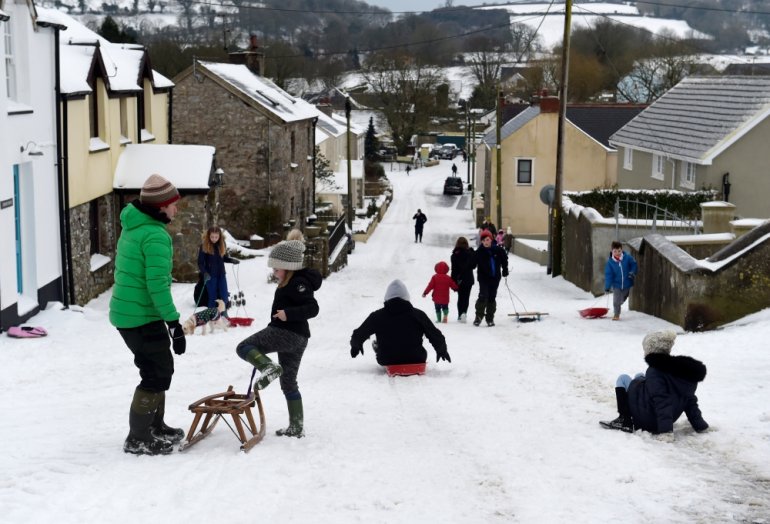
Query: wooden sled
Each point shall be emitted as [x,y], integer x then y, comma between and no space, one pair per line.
[527,316]
[215,407]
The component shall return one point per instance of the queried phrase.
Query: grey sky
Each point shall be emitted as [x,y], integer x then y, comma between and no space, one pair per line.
[409,5]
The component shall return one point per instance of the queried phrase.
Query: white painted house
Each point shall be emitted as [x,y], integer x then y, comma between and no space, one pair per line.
[30,260]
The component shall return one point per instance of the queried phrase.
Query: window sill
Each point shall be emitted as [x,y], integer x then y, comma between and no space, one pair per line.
[99,261]
[687,185]
[628,168]
[124,140]
[97,144]
[658,176]
[16,108]
[146,136]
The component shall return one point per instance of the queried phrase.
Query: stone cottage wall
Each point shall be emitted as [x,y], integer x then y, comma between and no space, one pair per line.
[254,152]
[89,284]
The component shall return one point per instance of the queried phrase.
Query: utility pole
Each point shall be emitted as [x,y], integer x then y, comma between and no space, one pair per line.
[556,209]
[498,159]
[350,174]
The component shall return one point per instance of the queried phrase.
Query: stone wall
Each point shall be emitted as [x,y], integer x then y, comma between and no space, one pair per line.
[87,283]
[254,151]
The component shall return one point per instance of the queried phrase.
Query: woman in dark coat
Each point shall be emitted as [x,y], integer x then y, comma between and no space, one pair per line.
[655,400]
[399,329]
[462,274]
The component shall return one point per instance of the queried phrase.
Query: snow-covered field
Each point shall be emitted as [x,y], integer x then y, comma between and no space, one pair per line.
[508,432]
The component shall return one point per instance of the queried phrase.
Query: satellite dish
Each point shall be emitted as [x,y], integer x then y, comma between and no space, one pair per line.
[546,194]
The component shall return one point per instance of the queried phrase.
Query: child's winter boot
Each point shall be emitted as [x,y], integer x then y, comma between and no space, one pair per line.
[446,316]
[491,309]
[481,305]
[268,369]
[140,440]
[438,317]
[296,417]
[624,422]
[159,429]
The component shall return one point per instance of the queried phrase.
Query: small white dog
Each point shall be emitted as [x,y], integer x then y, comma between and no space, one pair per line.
[212,317]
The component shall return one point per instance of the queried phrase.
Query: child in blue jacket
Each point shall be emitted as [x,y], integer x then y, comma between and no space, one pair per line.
[619,274]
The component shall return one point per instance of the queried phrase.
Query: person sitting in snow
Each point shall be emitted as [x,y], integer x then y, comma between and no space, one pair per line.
[653,401]
[440,284]
[398,328]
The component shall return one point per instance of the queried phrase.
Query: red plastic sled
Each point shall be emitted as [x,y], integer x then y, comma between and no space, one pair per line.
[404,370]
[593,312]
[240,321]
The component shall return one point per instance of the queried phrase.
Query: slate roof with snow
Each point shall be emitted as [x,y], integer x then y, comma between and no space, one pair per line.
[262,91]
[597,121]
[186,166]
[123,63]
[699,117]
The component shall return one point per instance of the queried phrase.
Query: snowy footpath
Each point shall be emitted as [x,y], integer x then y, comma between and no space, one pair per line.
[508,432]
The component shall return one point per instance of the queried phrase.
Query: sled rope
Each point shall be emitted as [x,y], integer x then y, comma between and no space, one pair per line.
[511,294]
[249,391]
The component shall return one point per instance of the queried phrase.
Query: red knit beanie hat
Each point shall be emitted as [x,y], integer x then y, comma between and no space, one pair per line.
[486,233]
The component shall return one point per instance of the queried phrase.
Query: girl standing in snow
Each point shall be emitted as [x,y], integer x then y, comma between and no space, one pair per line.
[288,331]
[211,264]
[462,273]
[440,284]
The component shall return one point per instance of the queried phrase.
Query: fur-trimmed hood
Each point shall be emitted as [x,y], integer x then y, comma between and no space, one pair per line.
[686,368]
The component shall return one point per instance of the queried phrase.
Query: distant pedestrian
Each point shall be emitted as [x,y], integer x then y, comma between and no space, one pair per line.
[408,169]
[508,240]
[465,156]
[419,221]
[454,169]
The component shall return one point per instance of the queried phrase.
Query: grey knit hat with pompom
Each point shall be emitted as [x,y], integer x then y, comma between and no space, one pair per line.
[659,342]
[287,255]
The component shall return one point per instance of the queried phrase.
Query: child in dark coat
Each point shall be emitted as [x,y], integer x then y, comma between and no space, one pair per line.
[655,400]
[462,273]
[211,264]
[440,284]
[399,328]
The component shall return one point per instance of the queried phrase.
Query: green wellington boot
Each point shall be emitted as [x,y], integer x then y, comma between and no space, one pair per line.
[296,420]
[159,429]
[140,440]
[268,369]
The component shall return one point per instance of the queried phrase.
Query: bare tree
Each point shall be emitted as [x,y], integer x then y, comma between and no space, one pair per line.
[406,91]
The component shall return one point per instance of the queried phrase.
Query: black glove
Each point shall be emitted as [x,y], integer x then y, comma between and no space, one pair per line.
[178,341]
[355,351]
[505,273]
[443,356]
[235,261]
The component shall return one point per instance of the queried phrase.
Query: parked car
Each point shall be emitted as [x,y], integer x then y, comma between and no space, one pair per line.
[448,151]
[453,185]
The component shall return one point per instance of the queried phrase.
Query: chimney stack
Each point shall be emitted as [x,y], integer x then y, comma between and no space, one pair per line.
[252,58]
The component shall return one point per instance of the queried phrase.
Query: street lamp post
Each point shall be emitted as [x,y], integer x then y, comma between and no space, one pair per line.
[350,174]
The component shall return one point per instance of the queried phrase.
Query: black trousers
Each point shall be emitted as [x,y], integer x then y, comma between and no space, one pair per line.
[151,346]
[463,298]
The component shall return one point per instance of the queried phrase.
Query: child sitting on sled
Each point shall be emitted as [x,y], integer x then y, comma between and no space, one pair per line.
[440,284]
[399,328]
[653,401]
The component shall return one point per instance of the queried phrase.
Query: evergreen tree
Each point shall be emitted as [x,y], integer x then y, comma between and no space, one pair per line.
[323,172]
[371,144]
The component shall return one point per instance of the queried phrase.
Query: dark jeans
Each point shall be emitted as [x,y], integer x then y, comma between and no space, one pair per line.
[463,298]
[417,234]
[290,347]
[488,289]
[151,347]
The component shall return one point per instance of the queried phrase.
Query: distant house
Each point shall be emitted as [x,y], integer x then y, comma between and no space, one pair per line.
[264,139]
[30,219]
[528,157]
[705,132]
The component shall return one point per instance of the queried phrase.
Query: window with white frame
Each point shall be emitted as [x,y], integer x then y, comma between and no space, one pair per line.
[688,175]
[10,63]
[628,158]
[525,168]
[658,166]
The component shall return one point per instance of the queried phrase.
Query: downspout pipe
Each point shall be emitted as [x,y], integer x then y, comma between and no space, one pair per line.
[170,115]
[312,188]
[62,179]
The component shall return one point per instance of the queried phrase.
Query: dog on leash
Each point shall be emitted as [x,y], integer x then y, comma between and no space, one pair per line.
[212,317]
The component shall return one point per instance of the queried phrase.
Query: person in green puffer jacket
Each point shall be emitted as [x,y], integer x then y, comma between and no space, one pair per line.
[143,311]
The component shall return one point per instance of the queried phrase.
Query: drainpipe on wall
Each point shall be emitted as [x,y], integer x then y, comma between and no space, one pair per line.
[170,114]
[312,187]
[67,291]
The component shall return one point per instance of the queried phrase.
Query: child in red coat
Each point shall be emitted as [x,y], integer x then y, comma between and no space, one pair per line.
[440,283]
